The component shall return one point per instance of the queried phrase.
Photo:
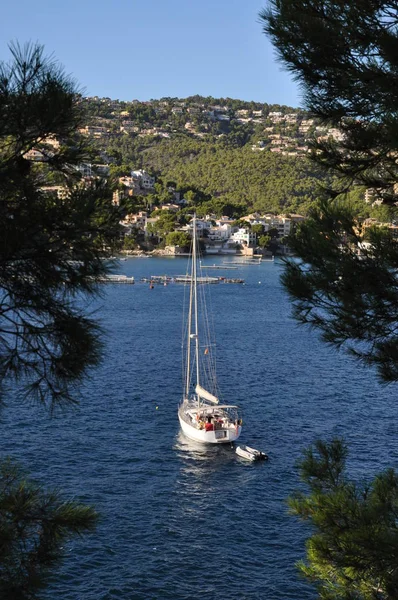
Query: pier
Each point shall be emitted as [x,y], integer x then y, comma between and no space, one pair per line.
[186,279]
[218,267]
[117,279]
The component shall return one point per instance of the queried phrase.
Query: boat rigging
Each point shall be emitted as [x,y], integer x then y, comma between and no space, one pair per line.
[201,415]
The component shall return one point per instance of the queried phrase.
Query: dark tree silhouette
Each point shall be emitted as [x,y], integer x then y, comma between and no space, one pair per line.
[34,526]
[344,55]
[56,228]
[353,552]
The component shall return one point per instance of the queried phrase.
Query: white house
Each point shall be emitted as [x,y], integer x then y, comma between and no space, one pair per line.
[243,237]
[220,233]
[201,225]
[145,180]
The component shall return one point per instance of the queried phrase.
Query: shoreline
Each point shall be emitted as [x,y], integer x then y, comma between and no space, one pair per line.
[168,254]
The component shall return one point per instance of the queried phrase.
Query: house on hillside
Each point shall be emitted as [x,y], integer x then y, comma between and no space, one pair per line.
[35,155]
[252,219]
[194,110]
[132,186]
[170,207]
[138,220]
[129,127]
[143,178]
[95,131]
[201,226]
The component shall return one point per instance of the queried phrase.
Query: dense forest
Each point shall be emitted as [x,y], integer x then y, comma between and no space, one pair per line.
[260,181]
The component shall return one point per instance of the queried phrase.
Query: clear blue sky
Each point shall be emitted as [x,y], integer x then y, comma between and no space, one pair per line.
[147,49]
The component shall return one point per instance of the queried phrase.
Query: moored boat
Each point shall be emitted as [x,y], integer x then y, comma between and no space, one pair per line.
[201,415]
[250,453]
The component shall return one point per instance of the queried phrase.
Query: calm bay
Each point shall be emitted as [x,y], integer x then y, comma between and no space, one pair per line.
[180,521]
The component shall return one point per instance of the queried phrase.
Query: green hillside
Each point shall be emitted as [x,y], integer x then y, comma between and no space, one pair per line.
[261,181]
[250,155]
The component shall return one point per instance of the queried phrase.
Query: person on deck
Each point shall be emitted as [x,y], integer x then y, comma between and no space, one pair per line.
[209,425]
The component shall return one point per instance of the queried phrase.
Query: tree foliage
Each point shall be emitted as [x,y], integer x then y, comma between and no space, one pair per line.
[219,172]
[264,240]
[347,68]
[34,527]
[163,225]
[353,552]
[52,241]
[352,299]
[258,229]
[178,238]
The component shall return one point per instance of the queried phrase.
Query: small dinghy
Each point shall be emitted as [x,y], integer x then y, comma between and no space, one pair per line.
[250,453]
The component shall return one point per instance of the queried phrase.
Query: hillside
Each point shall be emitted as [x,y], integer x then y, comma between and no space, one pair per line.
[250,155]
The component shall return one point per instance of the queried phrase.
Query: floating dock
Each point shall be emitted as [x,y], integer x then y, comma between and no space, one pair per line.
[117,279]
[246,263]
[186,279]
[217,267]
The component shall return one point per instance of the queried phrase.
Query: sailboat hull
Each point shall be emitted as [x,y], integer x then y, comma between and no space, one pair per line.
[223,435]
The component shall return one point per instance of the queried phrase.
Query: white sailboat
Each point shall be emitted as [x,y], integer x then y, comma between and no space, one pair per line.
[202,417]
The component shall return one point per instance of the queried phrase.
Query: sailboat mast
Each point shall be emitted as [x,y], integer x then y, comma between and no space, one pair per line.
[188,372]
[195,289]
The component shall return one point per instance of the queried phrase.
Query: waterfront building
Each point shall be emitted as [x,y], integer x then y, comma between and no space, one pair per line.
[220,233]
[243,237]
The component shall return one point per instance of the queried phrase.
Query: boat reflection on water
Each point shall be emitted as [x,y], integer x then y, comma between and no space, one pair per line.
[207,472]
[192,451]
[199,458]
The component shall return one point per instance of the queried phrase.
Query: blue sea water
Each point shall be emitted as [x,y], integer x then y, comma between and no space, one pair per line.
[180,521]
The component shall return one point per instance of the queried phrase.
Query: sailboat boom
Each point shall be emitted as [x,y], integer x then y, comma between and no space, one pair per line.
[205,395]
